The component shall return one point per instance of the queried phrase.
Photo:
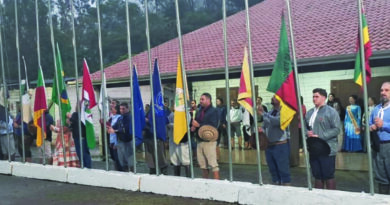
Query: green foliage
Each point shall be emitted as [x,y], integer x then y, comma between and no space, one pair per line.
[194,14]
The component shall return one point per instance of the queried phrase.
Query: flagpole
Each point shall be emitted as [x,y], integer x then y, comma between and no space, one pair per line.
[367,126]
[131,85]
[299,98]
[101,72]
[20,80]
[185,88]
[4,85]
[253,91]
[151,86]
[40,67]
[227,86]
[77,85]
[57,86]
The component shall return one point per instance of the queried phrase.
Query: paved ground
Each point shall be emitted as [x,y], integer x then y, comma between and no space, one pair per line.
[17,190]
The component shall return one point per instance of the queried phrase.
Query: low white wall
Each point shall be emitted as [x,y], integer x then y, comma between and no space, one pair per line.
[5,167]
[101,178]
[37,171]
[234,192]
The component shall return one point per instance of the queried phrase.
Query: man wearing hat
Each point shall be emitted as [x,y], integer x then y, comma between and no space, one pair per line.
[278,152]
[380,123]
[206,117]
[323,124]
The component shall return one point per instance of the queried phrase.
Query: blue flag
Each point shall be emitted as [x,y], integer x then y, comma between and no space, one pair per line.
[139,113]
[161,119]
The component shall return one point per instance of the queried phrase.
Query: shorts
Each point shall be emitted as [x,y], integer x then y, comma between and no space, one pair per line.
[46,149]
[179,154]
[235,128]
[323,168]
[207,155]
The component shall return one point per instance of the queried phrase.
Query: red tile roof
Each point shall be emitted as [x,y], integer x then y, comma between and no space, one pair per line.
[321,29]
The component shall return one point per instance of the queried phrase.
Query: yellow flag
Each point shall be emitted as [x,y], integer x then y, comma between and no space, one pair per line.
[179,121]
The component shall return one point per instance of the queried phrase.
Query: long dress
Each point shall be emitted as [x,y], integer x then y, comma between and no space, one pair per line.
[352,139]
[70,150]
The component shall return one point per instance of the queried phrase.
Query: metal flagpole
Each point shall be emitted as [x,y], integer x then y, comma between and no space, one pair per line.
[101,72]
[227,89]
[303,128]
[77,86]
[151,86]
[40,67]
[58,88]
[20,80]
[253,91]
[131,85]
[367,126]
[4,86]
[183,74]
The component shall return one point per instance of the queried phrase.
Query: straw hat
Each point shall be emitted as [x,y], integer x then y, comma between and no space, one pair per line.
[208,133]
[317,147]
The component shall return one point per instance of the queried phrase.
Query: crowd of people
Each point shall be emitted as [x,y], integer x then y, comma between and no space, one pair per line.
[323,125]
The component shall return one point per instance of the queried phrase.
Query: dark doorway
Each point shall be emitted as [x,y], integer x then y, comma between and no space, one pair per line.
[344,88]
[221,93]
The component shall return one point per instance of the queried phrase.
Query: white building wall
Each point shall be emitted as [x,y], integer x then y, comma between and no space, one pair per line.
[308,81]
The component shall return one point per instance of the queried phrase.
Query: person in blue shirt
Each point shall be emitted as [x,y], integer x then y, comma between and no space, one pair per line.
[380,123]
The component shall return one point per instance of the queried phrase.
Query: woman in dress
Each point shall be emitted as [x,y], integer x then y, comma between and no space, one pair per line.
[352,125]
[70,150]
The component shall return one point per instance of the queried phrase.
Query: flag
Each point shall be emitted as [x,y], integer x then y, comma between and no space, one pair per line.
[39,108]
[2,100]
[103,96]
[245,90]
[282,81]
[160,118]
[358,76]
[179,120]
[88,101]
[26,107]
[65,103]
[139,113]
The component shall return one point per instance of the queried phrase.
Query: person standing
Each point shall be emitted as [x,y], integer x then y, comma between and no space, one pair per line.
[123,131]
[221,110]
[73,120]
[206,151]
[28,140]
[323,122]
[235,122]
[178,153]
[278,151]
[380,123]
[115,114]
[6,131]
[352,125]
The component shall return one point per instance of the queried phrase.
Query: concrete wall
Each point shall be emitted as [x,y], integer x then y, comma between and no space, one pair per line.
[218,190]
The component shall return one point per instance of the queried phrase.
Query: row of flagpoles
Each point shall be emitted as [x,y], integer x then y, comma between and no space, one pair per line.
[285,87]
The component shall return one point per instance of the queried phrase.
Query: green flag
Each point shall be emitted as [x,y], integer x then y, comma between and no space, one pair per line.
[65,103]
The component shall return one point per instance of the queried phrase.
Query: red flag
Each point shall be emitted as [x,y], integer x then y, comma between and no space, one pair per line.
[88,94]
[39,108]
[245,90]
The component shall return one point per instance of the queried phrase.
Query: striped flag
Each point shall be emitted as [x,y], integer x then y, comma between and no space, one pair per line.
[358,77]
[88,101]
[245,90]
[103,96]
[65,103]
[39,108]
[179,120]
[282,81]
